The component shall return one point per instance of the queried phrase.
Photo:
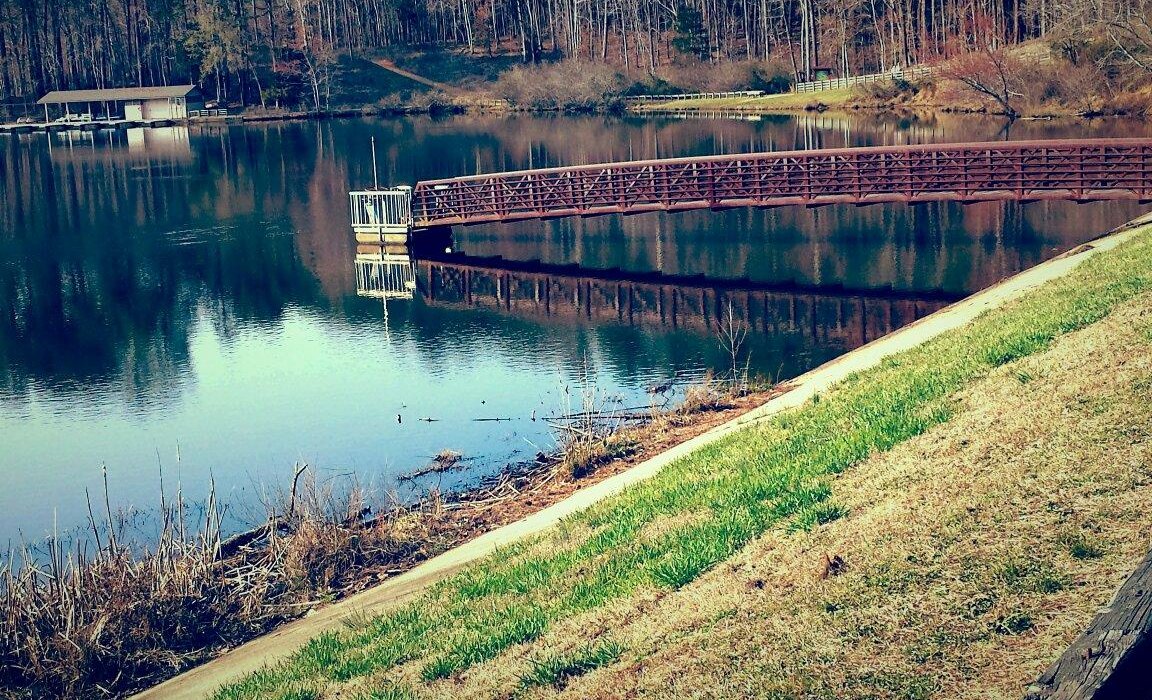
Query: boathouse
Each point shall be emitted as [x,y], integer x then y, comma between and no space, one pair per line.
[131,104]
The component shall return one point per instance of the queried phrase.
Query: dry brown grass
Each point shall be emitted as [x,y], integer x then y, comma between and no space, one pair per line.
[975,553]
[78,623]
[598,436]
[83,624]
[838,99]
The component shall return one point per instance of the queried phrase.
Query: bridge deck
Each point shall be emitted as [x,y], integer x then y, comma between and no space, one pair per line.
[1082,171]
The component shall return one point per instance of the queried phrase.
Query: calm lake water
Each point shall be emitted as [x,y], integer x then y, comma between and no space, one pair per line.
[190,297]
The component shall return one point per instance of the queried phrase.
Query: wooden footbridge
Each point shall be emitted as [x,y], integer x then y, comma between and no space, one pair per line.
[1076,170]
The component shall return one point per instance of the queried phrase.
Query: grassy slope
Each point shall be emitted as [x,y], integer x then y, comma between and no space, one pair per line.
[540,612]
[789,101]
[975,553]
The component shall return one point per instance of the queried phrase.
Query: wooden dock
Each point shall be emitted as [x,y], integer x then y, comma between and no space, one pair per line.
[1111,660]
[97,125]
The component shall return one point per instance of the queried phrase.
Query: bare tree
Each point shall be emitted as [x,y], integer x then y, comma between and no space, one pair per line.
[991,73]
[1130,29]
[731,332]
[287,48]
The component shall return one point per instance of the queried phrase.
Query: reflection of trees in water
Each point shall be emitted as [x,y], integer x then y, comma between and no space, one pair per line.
[120,314]
[107,264]
[412,150]
[108,254]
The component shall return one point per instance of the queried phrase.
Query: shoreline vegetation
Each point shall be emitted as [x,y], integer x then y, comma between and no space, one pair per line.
[1057,77]
[106,618]
[924,95]
[942,523]
[315,55]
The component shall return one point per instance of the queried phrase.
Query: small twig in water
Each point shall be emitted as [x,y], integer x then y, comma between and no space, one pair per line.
[300,467]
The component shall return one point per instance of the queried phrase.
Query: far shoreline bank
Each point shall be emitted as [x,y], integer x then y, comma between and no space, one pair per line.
[785,104]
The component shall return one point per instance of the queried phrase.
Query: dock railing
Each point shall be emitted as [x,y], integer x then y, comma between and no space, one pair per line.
[382,211]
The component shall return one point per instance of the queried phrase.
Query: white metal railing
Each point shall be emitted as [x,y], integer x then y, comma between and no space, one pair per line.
[222,112]
[385,275]
[837,83]
[382,211]
[693,96]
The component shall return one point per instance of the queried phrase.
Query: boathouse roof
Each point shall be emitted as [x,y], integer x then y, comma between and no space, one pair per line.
[57,97]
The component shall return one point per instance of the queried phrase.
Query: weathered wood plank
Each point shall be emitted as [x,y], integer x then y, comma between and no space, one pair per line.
[1113,642]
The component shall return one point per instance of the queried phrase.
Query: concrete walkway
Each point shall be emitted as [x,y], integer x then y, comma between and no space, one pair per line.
[203,680]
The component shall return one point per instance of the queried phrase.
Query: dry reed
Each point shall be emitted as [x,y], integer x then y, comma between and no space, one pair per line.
[103,617]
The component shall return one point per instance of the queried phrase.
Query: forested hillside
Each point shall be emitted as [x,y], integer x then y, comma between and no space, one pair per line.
[285,50]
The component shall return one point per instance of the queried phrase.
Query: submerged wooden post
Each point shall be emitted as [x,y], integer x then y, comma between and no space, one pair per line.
[1108,660]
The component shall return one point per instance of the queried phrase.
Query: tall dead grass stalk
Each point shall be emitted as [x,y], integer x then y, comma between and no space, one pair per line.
[100,618]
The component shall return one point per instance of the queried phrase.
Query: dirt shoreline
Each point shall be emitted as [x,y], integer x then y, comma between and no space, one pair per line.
[514,497]
[316,550]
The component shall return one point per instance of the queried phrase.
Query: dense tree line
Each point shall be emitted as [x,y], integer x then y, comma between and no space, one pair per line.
[260,51]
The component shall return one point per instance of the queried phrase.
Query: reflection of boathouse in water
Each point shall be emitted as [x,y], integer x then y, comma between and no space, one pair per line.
[157,144]
[825,314]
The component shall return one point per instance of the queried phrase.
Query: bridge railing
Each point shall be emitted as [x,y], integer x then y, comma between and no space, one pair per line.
[1021,170]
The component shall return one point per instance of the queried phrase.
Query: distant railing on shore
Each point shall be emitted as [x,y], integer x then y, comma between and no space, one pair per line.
[811,86]
[837,83]
[693,96]
[223,112]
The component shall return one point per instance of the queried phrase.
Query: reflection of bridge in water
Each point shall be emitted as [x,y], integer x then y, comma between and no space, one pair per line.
[644,299]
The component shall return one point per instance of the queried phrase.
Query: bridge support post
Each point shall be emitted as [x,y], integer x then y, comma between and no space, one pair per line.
[382,216]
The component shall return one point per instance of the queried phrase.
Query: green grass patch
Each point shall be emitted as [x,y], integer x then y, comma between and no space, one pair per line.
[1082,545]
[299,694]
[557,669]
[697,512]
[389,692]
[1013,623]
[819,514]
[486,637]
[1026,575]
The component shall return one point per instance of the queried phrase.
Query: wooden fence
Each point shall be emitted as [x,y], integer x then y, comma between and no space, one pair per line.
[693,96]
[837,83]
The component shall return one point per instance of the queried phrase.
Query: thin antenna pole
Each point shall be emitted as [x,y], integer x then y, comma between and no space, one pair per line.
[375,179]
